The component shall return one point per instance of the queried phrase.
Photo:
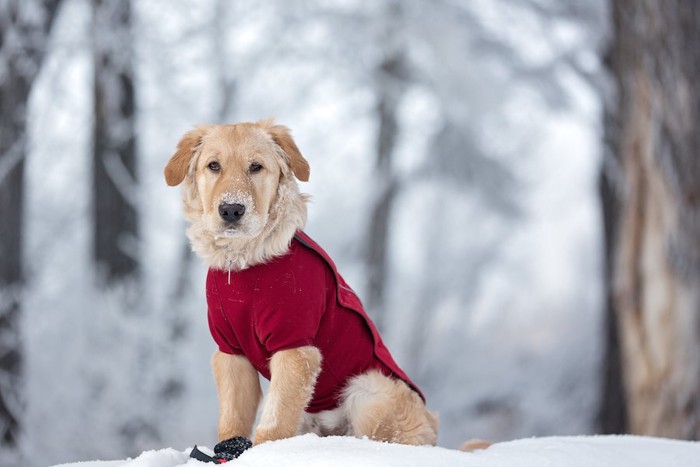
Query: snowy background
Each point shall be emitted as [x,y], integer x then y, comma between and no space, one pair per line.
[493,292]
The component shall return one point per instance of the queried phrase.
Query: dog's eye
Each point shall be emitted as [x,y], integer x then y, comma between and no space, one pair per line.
[255,167]
[214,166]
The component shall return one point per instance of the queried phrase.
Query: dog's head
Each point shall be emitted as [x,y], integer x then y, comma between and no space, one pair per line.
[233,175]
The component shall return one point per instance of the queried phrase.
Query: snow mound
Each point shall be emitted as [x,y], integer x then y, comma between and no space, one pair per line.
[312,451]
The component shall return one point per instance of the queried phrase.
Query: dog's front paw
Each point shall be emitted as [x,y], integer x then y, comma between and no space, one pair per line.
[263,435]
[231,448]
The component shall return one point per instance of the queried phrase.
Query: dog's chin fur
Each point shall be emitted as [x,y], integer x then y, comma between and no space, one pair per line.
[287,215]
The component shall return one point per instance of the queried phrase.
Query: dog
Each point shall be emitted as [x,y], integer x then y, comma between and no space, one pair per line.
[277,305]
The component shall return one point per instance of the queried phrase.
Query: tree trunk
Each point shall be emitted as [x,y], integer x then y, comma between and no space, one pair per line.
[390,83]
[23,41]
[655,252]
[612,415]
[114,159]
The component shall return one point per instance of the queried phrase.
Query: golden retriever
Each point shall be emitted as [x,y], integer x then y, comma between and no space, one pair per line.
[244,207]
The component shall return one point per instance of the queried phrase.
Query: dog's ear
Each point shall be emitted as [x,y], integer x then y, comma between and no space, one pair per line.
[281,136]
[176,169]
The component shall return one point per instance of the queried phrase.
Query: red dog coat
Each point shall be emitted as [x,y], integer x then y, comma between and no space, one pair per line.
[292,301]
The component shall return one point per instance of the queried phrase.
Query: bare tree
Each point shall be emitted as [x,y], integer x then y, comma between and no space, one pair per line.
[114,157]
[115,215]
[390,83]
[25,27]
[612,414]
[653,201]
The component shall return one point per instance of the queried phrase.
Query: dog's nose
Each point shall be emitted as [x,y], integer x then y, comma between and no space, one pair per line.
[231,212]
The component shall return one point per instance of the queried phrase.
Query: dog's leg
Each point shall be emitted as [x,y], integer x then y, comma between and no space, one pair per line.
[293,378]
[239,394]
[386,409]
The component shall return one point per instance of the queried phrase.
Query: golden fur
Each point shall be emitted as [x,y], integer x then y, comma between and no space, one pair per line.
[386,409]
[294,374]
[373,405]
[239,392]
[474,445]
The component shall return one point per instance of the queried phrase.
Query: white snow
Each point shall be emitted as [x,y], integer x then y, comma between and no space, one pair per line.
[574,451]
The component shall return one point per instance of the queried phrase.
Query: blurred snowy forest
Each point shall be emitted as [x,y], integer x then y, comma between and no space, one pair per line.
[455,150]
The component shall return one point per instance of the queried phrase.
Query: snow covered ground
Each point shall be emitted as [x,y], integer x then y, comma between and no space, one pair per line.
[577,451]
